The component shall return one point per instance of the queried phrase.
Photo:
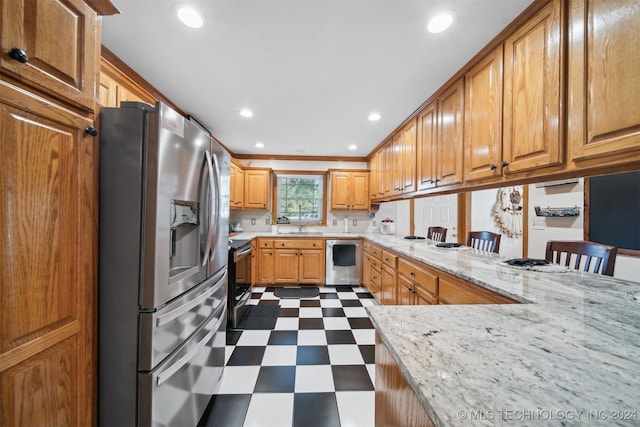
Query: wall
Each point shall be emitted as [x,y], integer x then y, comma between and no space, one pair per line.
[260,220]
[483,203]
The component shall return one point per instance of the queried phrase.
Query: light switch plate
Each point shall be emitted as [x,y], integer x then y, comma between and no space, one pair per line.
[538,224]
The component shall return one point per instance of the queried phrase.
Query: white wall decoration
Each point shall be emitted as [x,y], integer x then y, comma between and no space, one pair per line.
[507,211]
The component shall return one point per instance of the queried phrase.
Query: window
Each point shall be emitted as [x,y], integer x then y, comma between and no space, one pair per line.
[300,197]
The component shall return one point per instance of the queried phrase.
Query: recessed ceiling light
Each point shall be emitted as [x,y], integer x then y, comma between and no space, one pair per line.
[374,117]
[440,22]
[259,145]
[190,17]
[245,112]
[353,147]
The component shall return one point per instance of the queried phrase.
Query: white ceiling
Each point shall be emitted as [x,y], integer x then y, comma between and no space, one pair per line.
[311,70]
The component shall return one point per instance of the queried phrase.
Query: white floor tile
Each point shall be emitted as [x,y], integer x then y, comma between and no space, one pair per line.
[286,324]
[279,355]
[327,289]
[347,295]
[312,337]
[364,336]
[270,410]
[290,303]
[356,408]
[314,379]
[268,295]
[310,312]
[345,354]
[239,379]
[336,323]
[254,337]
[228,349]
[330,303]
[371,368]
[368,302]
[355,312]
[259,289]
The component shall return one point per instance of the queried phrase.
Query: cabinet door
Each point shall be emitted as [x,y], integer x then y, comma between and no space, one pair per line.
[311,266]
[426,147]
[397,161]
[532,135]
[59,37]
[450,127]
[388,285]
[256,189]
[236,199]
[604,82]
[409,136]
[340,197]
[366,270]
[423,296]
[286,265]
[483,118]
[48,263]
[359,190]
[107,91]
[264,269]
[387,169]
[405,291]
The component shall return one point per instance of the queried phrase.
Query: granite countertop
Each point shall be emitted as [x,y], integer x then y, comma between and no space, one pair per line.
[570,354]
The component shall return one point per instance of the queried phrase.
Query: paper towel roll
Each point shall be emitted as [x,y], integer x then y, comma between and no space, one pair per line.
[346,225]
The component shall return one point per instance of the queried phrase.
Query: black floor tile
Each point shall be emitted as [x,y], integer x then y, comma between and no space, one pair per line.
[289,312]
[368,353]
[310,303]
[233,336]
[360,323]
[351,378]
[246,356]
[351,303]
[276,379]
[312,355]
[332,312]
[315,410]
[329,295]
[364,295]
[283,338]
[310,323]
[340,288]
[269,302]
[227,410]
[340,337]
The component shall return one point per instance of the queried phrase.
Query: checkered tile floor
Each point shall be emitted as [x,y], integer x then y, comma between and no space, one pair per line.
[315,368]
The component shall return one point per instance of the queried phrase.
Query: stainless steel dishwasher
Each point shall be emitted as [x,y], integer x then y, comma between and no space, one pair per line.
[343,262]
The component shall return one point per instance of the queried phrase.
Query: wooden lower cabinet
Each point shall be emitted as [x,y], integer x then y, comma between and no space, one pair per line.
[48,262]
[416,285]
[372,269]
[395,401]
[453,290]
[290,261]
[388,279]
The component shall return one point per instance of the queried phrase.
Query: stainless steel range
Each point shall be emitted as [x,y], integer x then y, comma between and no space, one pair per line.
[239,288]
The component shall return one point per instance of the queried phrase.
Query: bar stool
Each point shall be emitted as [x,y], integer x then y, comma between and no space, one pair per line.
[484,241]
[603,255]
[437,234]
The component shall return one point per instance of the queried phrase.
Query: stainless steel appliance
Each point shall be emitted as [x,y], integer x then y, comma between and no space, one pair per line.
[343,262]
[239,288]
[164,212]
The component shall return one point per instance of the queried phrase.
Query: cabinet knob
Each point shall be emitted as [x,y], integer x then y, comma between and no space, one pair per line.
[504,164]
[493,167]
[91,131]
[19,55]
[412,273]
[437,180]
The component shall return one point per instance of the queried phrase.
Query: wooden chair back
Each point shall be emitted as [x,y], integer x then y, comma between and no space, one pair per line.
[437,234]
[484,241]
[571,253]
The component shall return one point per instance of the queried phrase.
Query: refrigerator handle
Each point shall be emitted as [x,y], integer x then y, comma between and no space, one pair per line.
[168,317]
[214,223]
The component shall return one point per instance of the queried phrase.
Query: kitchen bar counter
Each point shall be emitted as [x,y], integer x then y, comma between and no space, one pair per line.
[569,353]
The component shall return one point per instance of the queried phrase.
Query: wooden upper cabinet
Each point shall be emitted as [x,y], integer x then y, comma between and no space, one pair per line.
[115,87]
[375,176]
[483,118]
[387,169]
[533,77]
[604,81]
[236,198]
[257,186]
[349,190]
[397,159]
[426,147]
[58,39]
[409,137]
[449,162]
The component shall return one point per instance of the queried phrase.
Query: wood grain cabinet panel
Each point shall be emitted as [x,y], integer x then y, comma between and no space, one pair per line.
[60,42]
[450,136]
[533,78]
[349,190]
[257,188]
[47,262]
[604,82]
[236,197]
[427,147]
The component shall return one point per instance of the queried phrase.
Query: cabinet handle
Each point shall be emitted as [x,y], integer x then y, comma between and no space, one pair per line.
[493,167]
[504,164]
[437,180]
[19,55]
[91,131]
[412,273]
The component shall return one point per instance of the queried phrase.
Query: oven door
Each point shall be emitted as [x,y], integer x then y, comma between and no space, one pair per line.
[239,289]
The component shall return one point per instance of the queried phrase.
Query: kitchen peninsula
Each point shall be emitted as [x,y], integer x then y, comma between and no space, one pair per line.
[568,352]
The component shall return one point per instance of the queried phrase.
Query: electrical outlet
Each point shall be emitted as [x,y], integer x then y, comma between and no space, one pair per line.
[253,221]
[335,222]
[538,224]
[355,222]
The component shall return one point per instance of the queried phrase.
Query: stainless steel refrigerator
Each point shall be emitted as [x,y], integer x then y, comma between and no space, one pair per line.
[164,213]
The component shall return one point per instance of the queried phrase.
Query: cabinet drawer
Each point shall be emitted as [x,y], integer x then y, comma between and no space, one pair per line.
[265,243]
[418,275]
[423,296]
[376,252]
[453,292]
[298,243]
[366,246]
[389,259]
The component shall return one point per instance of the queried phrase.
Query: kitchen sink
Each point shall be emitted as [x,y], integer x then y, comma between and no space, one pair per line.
[300,233]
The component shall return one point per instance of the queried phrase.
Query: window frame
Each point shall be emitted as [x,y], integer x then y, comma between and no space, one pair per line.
[274,192]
